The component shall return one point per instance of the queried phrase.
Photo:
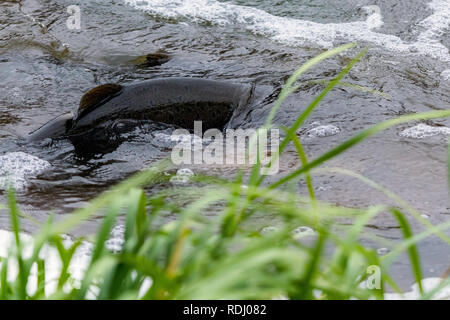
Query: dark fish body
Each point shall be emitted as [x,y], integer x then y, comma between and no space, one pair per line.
[53,129]
[174,101]
[177,101]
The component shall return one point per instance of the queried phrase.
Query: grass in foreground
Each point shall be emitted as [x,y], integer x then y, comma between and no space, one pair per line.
[223,257]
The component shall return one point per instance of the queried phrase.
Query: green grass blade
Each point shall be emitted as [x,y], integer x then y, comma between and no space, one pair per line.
[430,294]
[289,88]
[304,160]
[23,274]
[352,86]
[138,180]
[4,279]
[307,112]
[412,250]
[398,200]
[360,138]
[305,287]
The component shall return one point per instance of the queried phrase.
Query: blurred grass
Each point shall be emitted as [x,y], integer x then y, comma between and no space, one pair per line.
[224,256]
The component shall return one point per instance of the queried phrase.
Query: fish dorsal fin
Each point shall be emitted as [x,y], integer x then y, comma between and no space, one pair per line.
[98,96]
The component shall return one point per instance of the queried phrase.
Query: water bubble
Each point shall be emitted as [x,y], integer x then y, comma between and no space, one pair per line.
[183,176]
[185,172]
[114,244]
[322,131]
[382,251]
[268,229]
[446,75]
[118,231]
[179,180]
[374,19]
[303,230]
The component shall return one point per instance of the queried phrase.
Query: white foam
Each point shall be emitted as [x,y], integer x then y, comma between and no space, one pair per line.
[78,265]
[185,172]
[170,140]
[53,265]
[428,285]
[183,176]
[382,251]
[16,167]
[322,131]
[299,32]
[268,229]
[446,75]
[117,239]
[303,231]
[422,130]
[146,284]
[81,259]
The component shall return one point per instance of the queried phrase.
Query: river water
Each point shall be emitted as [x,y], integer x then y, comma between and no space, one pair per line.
[45,68]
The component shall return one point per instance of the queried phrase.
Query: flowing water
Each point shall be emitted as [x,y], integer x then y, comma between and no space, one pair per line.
[45,67]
